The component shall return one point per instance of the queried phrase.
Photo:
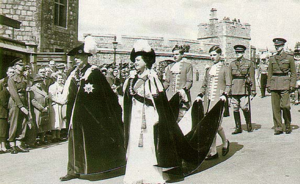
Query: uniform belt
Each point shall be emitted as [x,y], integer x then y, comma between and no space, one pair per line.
[280,74]
[239,77]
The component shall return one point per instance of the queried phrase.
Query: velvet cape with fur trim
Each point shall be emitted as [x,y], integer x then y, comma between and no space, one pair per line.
[172,147]
[96,126]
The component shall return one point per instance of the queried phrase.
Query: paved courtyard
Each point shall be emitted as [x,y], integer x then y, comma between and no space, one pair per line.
[257,157]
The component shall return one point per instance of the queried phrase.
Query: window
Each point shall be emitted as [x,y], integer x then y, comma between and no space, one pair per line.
[60,13]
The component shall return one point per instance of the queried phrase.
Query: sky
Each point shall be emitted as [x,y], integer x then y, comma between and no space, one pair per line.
[179,18]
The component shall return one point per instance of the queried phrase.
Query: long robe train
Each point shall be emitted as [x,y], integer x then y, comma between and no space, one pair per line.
[191,148]
[199,139]
[197,113]
[192,117]
[172,147]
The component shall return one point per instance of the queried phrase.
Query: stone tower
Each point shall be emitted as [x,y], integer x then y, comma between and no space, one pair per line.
[226,33]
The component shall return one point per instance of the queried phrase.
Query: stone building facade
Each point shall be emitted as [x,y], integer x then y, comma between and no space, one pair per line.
[163,49]
[225,33]
[46,30]
[42,23]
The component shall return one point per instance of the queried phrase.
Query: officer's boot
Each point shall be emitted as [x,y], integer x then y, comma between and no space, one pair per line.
[248,120]
[238,126]
[288,128]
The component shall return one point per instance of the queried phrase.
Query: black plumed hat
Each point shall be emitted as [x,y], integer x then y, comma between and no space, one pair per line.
[78,51]
[142,48]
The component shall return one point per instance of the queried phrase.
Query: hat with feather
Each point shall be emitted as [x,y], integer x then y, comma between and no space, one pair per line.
[89,47]
[142,48]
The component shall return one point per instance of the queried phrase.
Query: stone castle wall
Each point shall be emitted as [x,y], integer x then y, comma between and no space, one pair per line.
[56,37]
[159,44]
[163,48]
[26,12]
[37,24]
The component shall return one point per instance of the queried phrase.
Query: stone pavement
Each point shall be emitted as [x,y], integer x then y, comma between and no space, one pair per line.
[257,157]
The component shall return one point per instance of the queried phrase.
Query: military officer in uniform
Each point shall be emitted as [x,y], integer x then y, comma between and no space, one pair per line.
[18,109]
[281,82]
[242,75]
[179,78]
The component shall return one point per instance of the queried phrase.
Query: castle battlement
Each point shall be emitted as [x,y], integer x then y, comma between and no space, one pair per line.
[226,33]
[159,44]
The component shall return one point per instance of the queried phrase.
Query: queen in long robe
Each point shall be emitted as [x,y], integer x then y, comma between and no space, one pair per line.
[141,154]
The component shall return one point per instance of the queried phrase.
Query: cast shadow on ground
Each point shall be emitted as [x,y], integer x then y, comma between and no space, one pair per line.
[234,147]
[294,127]
[105,175]
[254,126]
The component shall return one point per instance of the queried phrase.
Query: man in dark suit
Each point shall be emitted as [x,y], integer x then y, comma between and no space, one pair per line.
[281,82]
[242,76]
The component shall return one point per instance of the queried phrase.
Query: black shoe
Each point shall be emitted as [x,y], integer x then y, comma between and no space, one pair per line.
[237,131]
[211,157]
[288,131]
[249,127]
[21,149]
[225,150]
[69,177]
[278,132]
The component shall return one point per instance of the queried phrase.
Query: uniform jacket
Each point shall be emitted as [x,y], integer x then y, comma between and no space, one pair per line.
[4,97]
[213,92]
[241,73]
[281,72]
[181,80]
[96,122]
[17,88]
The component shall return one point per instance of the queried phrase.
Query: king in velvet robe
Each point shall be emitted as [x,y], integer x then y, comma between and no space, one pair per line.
[96,141]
